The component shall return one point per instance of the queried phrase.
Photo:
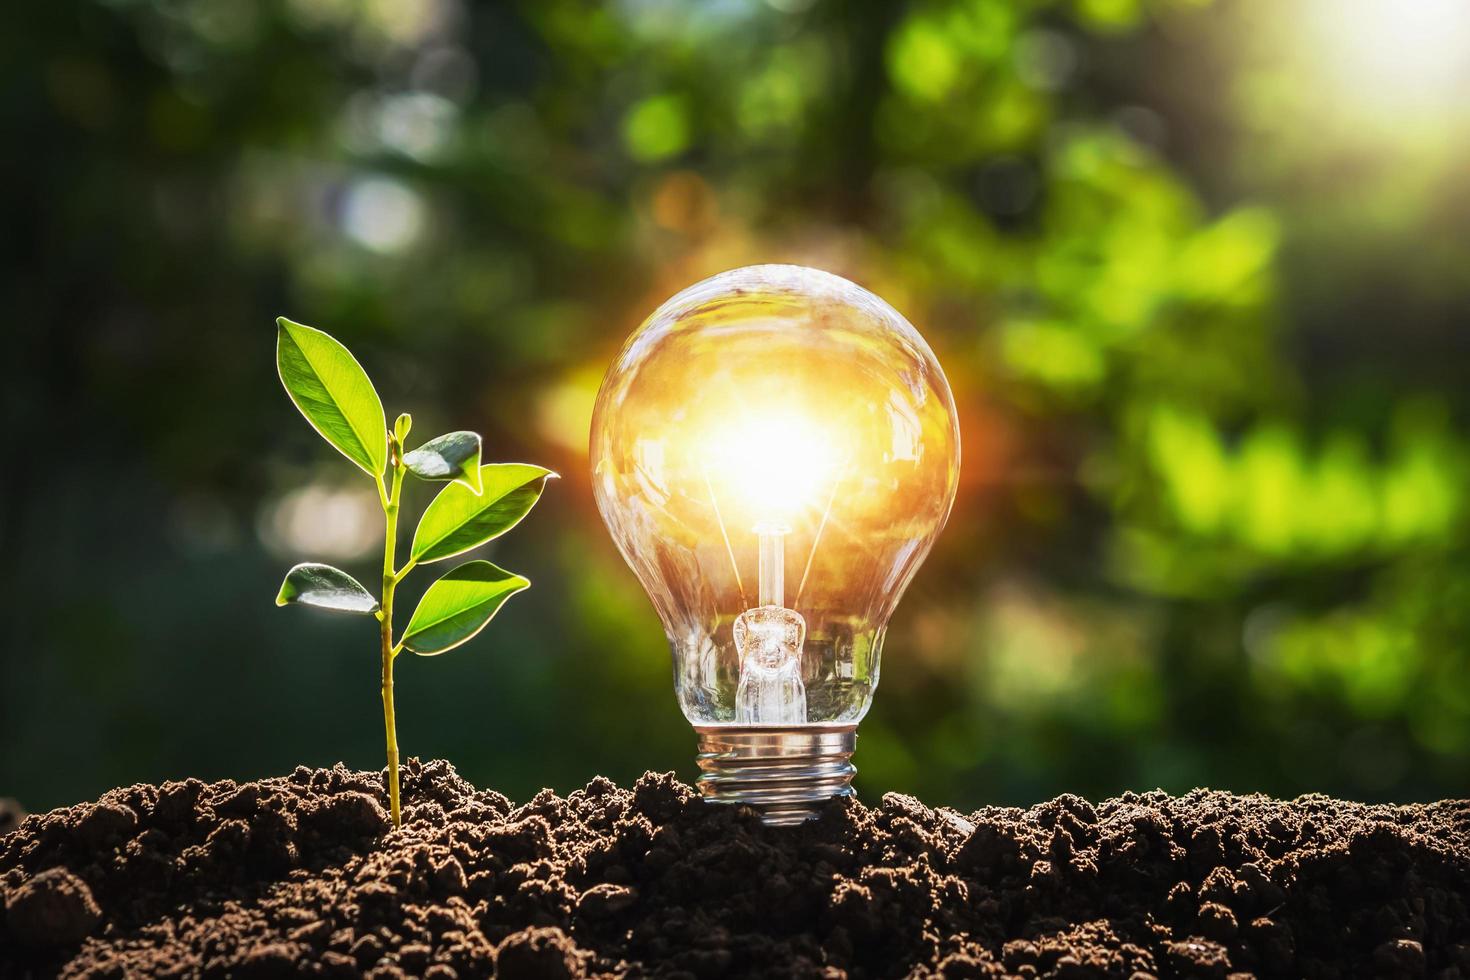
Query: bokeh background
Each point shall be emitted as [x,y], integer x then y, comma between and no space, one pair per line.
[1199,273]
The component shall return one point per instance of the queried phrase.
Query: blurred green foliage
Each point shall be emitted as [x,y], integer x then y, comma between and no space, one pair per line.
[1201,299]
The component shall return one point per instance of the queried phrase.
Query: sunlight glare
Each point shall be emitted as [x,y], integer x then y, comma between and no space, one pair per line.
[1398,53]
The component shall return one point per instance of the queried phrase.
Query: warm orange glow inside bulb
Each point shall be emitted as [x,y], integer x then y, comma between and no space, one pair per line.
[771,466]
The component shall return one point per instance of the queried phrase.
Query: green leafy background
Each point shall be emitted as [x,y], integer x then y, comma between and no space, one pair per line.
[1198,282]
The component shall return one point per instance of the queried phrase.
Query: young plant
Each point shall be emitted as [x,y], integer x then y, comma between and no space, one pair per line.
[480,503]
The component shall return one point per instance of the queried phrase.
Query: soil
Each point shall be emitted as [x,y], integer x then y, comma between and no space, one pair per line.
[301,875]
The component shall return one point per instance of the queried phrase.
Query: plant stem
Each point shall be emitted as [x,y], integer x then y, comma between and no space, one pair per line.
[390,581]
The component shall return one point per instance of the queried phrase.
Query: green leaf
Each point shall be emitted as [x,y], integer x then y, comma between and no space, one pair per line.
[401,426]
[333,391]
[458,520]
[459,605]
[325,587]
[453,456]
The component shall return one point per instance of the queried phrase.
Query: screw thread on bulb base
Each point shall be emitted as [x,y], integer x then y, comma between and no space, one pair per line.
[786,773]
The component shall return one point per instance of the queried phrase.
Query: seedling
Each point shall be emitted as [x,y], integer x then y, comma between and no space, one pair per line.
[481,502]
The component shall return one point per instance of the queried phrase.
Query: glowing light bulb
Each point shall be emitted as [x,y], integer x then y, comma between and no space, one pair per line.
[774,451]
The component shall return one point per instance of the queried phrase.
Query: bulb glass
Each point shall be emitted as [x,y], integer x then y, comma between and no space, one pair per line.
[774,451]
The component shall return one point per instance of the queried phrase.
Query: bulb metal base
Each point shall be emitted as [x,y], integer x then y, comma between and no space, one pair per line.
[786,773]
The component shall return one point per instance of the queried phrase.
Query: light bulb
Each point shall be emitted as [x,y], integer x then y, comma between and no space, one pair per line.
[775,450]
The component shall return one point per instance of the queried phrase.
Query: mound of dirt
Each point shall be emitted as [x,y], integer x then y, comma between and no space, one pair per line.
[301,875]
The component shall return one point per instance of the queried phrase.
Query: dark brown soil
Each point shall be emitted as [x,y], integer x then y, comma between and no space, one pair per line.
[300,875]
